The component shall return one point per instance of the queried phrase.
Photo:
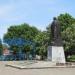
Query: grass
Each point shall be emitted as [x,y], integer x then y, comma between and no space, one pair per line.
[72,58]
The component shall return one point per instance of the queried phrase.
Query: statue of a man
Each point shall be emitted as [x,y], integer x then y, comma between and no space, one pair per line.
[56,33]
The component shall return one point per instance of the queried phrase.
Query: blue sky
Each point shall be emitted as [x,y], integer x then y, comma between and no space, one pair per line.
[38,13]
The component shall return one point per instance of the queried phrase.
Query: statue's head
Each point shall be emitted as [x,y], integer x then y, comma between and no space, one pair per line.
[54,18]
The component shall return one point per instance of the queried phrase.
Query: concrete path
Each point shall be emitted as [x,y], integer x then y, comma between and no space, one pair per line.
[31,64]
[4,70]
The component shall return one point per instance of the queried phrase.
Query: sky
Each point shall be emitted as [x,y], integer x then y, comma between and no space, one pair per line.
[38,13]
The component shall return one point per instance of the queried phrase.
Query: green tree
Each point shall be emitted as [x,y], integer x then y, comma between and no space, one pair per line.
[27,50]
[14,48]
[67,23]
[41,44]
[21,31]
[66,20]
[1,47]
[69,37]
[24,31]
[48,33]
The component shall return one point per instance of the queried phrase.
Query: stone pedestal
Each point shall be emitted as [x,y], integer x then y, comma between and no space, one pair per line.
[56,54]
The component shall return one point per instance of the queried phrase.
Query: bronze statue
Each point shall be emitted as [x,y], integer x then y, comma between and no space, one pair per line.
[56,33]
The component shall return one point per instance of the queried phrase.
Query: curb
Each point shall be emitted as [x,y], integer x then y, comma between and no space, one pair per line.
[18,67]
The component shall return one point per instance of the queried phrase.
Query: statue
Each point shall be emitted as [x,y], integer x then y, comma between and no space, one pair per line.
[55,33]
[56,50]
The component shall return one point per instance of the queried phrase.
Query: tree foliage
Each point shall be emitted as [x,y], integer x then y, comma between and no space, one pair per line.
[18,36]
[69,38]
[43,39]
[41,44]
[21,31]
[66,20]
[67,23]
[1,47]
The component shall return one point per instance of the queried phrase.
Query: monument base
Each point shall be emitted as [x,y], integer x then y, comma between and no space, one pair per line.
[56,54]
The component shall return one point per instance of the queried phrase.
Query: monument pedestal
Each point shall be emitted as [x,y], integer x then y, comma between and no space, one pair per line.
[56,54]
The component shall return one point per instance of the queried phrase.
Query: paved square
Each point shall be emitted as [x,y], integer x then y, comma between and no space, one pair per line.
[52,71]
